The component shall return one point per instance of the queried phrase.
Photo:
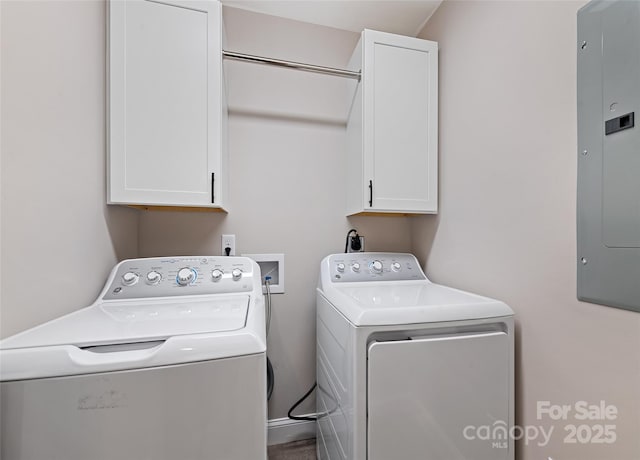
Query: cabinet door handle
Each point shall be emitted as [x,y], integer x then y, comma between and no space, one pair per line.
[213,189]
[371,194]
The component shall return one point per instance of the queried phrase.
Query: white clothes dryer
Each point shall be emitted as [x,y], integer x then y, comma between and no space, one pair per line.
[168,363]
[408,369]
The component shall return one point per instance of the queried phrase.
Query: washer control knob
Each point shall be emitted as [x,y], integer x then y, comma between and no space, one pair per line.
[236,274]
[340,267]
[376,266]
[355,267]
[153,277]
[130,278]
[395,267]
[185,276]
[216,275]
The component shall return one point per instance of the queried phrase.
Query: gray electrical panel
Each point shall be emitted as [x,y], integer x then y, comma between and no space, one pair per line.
[608,217]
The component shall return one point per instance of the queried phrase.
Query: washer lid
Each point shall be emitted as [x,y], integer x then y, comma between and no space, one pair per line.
[123,335]
[409,302]
[136,321]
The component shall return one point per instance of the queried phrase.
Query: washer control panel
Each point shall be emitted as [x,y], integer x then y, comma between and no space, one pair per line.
[173,276]
[374,266]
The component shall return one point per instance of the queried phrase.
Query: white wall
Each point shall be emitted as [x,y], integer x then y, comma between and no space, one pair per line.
[506,226]
[59,239]
[287,183]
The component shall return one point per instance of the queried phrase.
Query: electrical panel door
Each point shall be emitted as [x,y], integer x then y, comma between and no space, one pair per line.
[608,217]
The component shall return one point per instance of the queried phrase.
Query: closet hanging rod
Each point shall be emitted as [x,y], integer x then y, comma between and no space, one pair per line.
[291,65]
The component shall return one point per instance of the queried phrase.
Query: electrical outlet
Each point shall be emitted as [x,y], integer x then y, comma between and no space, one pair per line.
[229,241]
[353,244]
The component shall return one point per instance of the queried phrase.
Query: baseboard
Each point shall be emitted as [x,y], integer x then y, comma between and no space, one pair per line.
[283,430]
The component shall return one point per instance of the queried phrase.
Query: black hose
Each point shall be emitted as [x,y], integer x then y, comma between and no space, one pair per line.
[270,379]
[298,402]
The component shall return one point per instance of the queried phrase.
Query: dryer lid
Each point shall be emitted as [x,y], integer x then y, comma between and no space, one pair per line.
[389,303]
[133,321]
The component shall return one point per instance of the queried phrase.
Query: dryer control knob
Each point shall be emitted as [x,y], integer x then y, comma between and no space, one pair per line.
[185,276]
[340,267]
[355,267]
[395,267]
[153,277]
[216,275]
[130,278]
[376,266]
[236,274]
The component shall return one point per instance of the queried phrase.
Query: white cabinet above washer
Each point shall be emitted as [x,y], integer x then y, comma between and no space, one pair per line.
[392,131]
[167,107]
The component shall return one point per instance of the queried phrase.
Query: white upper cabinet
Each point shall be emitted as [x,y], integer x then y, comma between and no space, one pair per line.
[167,107]
[392,131]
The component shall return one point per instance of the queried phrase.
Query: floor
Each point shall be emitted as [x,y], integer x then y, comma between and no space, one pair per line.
[297,450]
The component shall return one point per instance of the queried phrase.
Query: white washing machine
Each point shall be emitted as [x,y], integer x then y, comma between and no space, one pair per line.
[168,363]
[408,369]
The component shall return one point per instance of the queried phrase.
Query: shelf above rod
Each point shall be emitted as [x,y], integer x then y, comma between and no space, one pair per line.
[291,65]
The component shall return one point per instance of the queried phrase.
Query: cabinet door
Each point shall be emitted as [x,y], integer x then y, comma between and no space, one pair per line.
[400,98]
[165,102]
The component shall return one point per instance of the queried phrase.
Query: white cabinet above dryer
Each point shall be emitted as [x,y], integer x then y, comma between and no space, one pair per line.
[392,131]
[167,107]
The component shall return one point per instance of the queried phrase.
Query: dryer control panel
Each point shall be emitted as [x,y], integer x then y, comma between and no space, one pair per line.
[374,266]
[172,276]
